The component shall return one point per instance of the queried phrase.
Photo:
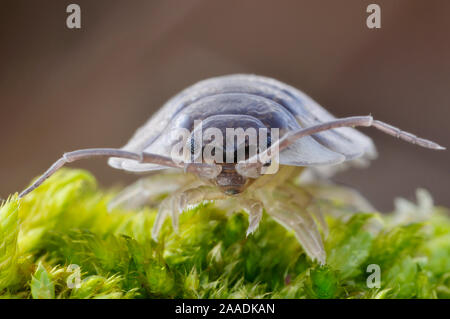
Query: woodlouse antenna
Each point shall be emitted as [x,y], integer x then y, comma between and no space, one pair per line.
[291,137]
[367,121]
[207,170]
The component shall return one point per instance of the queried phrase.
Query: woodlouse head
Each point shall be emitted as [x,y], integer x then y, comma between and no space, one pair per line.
[226,140]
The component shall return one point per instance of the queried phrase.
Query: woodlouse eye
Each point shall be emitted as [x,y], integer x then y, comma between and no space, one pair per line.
[269,141]
[246,154]
[267,164]
[192,146]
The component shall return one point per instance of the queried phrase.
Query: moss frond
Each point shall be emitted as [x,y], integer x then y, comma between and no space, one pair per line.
[61,242]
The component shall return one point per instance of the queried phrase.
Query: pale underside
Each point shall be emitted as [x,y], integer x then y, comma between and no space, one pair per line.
[298,207]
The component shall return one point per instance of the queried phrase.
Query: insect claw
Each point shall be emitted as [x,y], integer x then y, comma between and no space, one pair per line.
[255,211]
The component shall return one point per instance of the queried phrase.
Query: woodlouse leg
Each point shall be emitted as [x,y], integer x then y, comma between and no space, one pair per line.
[301,222]
[303,199]
[146,190]
[254,208]
[197,168]
[292,212]
[188,196]
[163,212]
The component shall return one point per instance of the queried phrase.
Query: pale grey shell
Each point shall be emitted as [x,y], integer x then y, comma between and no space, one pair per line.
[258,96]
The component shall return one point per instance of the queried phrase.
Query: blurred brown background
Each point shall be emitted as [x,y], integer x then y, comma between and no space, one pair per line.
[63,89]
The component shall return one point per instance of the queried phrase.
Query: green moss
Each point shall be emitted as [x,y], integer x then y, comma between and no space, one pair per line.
[61,242]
